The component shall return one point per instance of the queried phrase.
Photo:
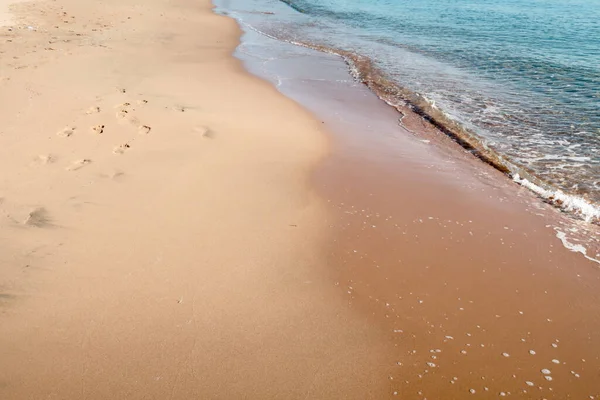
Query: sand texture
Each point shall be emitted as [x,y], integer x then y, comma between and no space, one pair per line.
[158,236]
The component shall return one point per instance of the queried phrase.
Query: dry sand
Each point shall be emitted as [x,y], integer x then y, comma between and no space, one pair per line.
[158,235]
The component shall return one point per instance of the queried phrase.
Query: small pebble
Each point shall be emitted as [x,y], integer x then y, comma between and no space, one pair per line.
[472,391]
[532,352]
[548,378]
[555,361]
[546,371]
[506,354]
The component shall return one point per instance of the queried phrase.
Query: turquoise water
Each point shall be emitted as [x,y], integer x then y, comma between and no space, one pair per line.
[523,76]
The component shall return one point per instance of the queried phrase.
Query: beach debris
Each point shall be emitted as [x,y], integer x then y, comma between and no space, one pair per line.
[144,129]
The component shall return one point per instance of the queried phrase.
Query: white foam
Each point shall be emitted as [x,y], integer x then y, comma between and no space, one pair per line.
[574,204]
[576,248]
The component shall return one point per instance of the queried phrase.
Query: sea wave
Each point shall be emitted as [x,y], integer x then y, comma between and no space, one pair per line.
[364,70]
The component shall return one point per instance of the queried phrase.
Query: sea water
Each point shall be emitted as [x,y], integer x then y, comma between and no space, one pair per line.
[522,77]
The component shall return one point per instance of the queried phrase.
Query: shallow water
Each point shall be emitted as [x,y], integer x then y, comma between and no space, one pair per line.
[523,77]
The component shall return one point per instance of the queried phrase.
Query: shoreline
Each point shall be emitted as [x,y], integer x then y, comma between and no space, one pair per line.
[576,233]
[440,250]
[408,102]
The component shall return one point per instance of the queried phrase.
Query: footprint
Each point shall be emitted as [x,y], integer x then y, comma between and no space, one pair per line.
[178,108]
[66,131]
[44,159]
[6,297]
[93,110]
[122,105]
[122,90]
[204,131]
[38,218]
[121,148]
[79,164]
[114,174]
[142,101]
[133,120]
[144,129]
[125,116]
[98,129]
[121,114]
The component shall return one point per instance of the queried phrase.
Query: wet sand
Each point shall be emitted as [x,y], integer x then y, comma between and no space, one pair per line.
[459,265]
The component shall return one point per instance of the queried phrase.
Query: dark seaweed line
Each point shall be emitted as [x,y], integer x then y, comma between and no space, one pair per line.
[362,69]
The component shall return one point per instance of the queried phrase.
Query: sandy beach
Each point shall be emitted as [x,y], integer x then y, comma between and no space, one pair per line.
[159,237]
[173,227]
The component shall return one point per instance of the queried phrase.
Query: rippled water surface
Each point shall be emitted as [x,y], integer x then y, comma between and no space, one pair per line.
[524,76]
